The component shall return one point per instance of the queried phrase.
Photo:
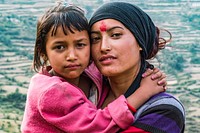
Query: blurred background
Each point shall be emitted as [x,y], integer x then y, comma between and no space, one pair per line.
[180,60]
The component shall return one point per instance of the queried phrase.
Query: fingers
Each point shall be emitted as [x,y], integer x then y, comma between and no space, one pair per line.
[162,88]
[162,82]
[147,72]
[161,77]
[157,74]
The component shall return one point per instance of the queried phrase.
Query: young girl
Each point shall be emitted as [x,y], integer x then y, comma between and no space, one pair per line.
[57,99]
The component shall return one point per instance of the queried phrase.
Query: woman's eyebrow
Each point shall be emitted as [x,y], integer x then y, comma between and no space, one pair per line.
[94,32]
[115,27]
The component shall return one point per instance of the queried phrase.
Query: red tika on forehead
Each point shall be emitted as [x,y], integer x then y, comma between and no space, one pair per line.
[103,26]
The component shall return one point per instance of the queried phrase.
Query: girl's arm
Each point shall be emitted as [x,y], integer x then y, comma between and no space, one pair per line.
[68,109]
[153,82]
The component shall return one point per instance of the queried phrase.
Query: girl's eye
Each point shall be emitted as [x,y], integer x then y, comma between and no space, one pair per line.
[60,47]
[80,45]
[95,39]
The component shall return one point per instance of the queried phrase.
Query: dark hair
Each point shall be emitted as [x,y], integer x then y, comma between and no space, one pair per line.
[69,17]
[159,43]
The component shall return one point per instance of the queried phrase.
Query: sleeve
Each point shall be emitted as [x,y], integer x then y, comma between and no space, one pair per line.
[133,129]
[161,118]
[70,111]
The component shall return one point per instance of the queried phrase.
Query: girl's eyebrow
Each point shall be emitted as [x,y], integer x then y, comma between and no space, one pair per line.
[64,41]
[81,39]
[108,30]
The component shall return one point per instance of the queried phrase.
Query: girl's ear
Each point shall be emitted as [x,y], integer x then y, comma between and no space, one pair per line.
[45,60]
[140,49]
[44,57]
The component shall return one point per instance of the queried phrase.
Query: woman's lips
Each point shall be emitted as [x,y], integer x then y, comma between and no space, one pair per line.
[106,59]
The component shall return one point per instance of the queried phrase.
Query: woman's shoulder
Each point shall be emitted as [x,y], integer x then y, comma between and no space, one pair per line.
[163,101]
[166,99]
[161,110]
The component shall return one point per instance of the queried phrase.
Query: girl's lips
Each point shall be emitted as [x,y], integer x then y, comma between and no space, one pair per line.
[72,66]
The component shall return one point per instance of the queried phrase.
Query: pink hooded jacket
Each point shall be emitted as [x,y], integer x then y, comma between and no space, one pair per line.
[56,106]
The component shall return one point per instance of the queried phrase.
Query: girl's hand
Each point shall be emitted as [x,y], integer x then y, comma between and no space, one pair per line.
[153,82]
[155,73]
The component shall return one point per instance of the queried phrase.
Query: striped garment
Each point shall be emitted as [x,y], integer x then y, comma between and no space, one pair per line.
[163,113]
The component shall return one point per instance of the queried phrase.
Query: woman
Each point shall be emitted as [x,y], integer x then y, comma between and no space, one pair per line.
[123,37]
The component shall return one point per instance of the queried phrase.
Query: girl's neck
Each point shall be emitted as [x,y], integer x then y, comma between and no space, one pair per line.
[120,83]
[74,81]
[83,82]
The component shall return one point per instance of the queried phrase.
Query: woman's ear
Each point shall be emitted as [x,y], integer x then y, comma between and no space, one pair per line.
[140,49]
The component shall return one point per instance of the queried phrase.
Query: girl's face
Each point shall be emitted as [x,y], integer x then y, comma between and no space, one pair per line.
[68,54]
[114,48]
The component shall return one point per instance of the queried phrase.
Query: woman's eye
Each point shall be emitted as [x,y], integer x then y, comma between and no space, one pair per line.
[116,35]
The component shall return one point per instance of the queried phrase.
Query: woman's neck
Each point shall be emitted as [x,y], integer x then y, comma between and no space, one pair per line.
[120,83]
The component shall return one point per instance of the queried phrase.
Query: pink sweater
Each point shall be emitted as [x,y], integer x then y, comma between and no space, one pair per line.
[56,106]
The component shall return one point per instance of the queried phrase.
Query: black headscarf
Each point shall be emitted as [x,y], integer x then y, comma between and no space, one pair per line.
[133,18]
[140,25]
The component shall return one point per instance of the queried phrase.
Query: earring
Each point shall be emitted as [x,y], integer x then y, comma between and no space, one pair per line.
[48,63]
[45,60]
[108,48]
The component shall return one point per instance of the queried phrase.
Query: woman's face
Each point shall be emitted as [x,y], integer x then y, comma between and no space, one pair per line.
[68,54]
[115,50]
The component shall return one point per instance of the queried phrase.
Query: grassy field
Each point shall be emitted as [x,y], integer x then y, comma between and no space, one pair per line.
[180,59]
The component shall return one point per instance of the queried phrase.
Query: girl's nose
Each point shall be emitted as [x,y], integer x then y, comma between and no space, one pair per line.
[71,55]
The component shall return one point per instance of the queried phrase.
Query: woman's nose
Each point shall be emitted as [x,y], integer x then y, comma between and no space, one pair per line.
[105,45]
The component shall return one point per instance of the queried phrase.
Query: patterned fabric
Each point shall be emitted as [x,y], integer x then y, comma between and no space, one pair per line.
[163,113]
